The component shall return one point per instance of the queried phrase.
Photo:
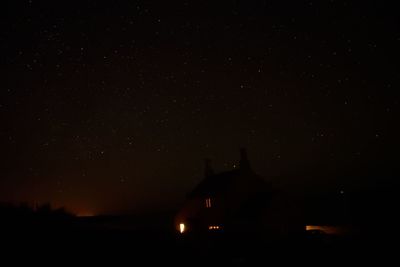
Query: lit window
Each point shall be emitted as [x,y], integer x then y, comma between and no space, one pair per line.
[181,228]
[208,202]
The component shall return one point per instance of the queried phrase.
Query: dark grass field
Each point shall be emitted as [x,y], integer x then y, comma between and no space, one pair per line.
[143,241]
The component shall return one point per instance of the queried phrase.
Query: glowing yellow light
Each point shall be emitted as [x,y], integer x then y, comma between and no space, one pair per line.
[181,228]
[213,227]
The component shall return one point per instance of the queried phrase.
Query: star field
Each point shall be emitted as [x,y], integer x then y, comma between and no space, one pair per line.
[112,107]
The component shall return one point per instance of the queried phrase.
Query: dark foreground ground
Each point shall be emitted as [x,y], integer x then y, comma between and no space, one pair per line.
[119,241]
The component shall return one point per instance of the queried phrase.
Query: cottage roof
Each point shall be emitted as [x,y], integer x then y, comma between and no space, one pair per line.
[220,182]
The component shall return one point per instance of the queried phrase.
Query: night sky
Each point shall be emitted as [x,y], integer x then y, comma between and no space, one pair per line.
[108,108]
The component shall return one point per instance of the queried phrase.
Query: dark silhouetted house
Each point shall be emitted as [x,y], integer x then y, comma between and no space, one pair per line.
[237,201]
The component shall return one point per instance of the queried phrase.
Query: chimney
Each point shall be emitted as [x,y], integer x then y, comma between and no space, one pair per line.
[244,163]
[208,171]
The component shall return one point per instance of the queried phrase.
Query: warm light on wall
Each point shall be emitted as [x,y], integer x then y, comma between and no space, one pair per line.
[312,227]
[213,227]
[181,228]
[327,229]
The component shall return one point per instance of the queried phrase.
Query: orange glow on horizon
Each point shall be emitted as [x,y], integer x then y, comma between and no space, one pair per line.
[85,214]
